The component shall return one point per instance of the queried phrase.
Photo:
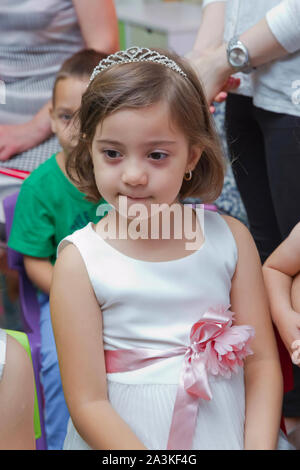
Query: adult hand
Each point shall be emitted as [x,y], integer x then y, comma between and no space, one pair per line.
[231,84]
[214,73]
[17,138]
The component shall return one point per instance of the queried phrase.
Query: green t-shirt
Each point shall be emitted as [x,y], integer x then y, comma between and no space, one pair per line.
[49,207]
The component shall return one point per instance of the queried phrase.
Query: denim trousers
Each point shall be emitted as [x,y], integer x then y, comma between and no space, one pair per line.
[56,413]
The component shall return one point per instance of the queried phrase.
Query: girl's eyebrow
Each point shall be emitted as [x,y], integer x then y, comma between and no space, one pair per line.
[150,142]
[108,141]
[160,142]
[64,109]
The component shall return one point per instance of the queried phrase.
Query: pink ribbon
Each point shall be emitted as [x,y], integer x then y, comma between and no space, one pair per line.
[193,383]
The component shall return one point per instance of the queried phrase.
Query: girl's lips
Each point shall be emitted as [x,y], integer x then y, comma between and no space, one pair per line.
[136,198]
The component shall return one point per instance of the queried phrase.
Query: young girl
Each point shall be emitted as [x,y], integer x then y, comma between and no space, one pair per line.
[150,352]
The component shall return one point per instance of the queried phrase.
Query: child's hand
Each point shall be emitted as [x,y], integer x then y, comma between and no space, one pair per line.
[289,330]
[296,354]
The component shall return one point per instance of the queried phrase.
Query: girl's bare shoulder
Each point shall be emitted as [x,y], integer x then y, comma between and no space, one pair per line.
[239,230]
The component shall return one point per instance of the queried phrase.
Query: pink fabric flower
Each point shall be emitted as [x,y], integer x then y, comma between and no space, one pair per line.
[216,347]
[219,344]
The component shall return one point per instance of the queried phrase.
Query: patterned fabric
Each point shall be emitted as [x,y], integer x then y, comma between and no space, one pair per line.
[35,40]
[32,158]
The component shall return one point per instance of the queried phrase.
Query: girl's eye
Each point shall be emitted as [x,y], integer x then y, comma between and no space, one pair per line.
[158,156]
[112,154]
[66,117]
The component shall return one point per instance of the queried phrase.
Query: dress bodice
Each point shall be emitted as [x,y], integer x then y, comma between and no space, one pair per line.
[154,304]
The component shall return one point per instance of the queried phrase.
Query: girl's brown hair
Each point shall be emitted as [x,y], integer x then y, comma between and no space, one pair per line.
[138,85]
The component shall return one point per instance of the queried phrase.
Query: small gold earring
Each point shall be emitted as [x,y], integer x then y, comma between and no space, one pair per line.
[188,175]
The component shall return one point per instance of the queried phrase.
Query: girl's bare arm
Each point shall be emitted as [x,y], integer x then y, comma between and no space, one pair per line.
[263,379]
[77,326]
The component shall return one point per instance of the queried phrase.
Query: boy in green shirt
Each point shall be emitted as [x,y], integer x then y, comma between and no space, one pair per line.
[49,208]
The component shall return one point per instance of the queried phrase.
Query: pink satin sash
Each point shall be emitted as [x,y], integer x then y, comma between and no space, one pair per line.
[216,347]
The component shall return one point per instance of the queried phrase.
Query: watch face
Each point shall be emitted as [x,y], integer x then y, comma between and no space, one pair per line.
[237,57]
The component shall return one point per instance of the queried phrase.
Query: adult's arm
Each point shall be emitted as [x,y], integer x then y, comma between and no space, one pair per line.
[276,35]
[98,23]
[273,37]
[17,138]
[99,27]
[209,37]
[211,30]
[284,22]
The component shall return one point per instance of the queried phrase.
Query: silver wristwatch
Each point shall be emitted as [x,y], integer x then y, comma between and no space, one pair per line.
[238,56]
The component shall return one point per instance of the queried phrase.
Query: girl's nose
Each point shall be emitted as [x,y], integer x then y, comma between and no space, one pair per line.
[134,175]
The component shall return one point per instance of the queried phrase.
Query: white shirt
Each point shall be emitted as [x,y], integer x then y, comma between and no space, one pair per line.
[274,86]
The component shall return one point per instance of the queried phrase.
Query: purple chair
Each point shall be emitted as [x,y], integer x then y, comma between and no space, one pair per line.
[30,311]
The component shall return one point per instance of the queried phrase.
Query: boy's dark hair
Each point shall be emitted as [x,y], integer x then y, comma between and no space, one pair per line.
[79,65]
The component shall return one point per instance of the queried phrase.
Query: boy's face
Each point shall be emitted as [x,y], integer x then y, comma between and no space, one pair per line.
[67,100]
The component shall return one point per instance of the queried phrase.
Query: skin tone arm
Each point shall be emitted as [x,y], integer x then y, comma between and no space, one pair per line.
[39,271]
[279,270]
[98,24]
[77,320]
[263,379]
[211,30]
[99,27]
[213,68]
[209,37]
[17,400]
[20,137]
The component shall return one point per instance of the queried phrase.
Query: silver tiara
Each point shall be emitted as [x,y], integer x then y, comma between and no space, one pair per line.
[136,54]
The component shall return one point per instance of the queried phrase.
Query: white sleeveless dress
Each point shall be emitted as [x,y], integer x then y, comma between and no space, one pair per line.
[154,305]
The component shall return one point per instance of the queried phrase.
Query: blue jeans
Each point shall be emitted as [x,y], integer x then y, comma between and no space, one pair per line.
[56,413]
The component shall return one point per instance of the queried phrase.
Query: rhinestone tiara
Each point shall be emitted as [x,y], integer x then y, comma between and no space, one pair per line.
[136,54]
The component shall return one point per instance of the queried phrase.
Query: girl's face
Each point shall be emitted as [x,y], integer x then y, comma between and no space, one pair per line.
[142,155]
